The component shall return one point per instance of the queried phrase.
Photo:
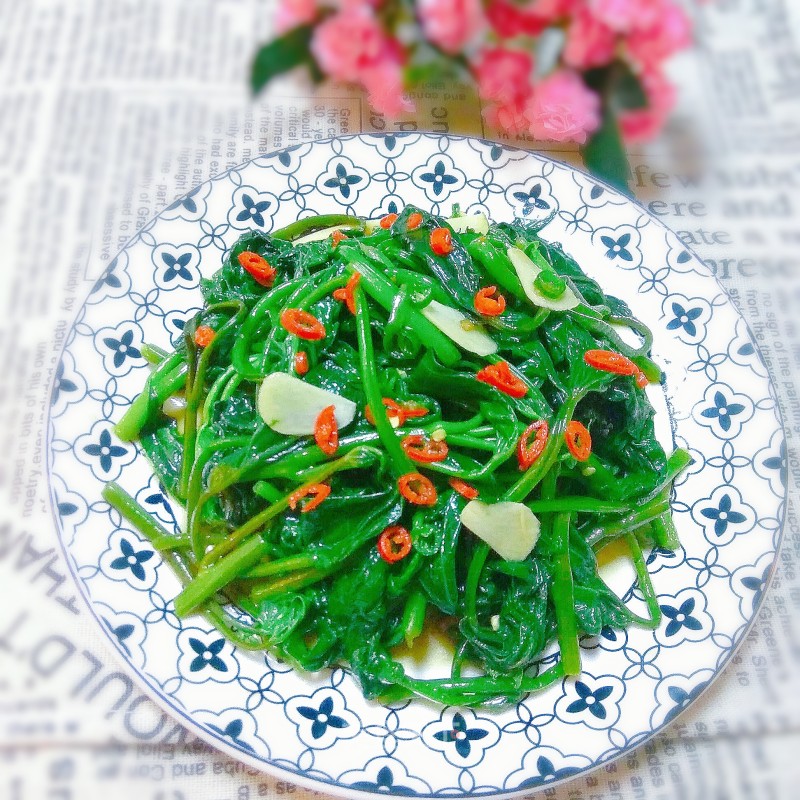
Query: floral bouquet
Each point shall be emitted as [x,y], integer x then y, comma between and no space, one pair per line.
[584,71]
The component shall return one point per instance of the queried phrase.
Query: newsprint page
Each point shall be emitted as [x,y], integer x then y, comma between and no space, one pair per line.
[109,110]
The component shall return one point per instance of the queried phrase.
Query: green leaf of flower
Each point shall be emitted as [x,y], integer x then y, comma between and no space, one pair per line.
[281,55]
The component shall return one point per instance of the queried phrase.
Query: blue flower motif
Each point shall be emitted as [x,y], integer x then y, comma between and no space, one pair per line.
[777,462]
[547,773]
[682,698]
[157,501]
[531,200]
[186,202]
[232,731]
[461,735]
[123,347]
[132,559]
[105,450]
[722,410]
[438,178]
[617,248]
[121,633]
[253,210]
[108,278]
[343,181]
[322,717]
[593,700]
[684,318]
[722,515]
[176,267]
[61,384]
[757,584]
[681,617]
[384,782]
[207,656]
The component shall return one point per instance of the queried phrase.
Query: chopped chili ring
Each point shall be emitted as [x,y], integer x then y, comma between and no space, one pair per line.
[417,489]
[320,491]
[337,236]
[258,267]
[347,293]
[463,488]
[326,431]
[609,361]
[579,440]
[203,336]
[641,379]
[441,241]
[417,448]
[529,451]
[302,324]
[398,412]
[387,221]
[501,377]
[487,305]
[394,543]
[414,221]
[301,362]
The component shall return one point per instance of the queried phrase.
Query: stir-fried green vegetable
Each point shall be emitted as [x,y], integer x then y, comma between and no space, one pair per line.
[378,430]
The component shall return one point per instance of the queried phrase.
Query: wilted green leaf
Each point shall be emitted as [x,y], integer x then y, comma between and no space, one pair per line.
[604,154]
[281,55]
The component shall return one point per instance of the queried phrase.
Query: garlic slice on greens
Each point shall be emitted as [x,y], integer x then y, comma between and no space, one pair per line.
[291,406]
[464,331]
[510,529]
[527,272]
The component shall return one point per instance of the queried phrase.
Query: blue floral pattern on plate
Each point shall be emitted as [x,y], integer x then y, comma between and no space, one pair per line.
[318,729]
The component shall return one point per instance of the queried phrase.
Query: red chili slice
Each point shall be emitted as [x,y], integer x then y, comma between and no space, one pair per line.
[326,431]
[346,293]
[301,362]
[401,413]
[608,361]
[388,221]
[258,267]
[302,324]
[337,236]
[417,489]
[422,450]
[394,543]
[414,221]
[441,241]
[529,451]
[463,488]
[579,440]
[641,379]
[501,377]
[488,305]
[318,491]
[203,336]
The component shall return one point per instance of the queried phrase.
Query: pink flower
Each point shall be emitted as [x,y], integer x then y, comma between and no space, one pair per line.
[619,15]
[349,42]
[671,32]
[644,124]
[384,83]
[510,20]
[509,117]
[451,24]
[563,109]
[503,75]
[551,10]
[292,13]
[590,43]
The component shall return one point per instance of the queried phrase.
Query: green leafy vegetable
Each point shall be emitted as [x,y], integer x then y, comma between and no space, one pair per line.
[346,540]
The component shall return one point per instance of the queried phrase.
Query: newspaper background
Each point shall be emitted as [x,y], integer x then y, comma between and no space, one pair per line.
[110,110]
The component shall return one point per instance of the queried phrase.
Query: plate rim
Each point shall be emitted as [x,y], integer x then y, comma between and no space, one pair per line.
[271,767]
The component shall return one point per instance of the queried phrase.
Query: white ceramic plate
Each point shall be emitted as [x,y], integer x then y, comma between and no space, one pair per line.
[317,729]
